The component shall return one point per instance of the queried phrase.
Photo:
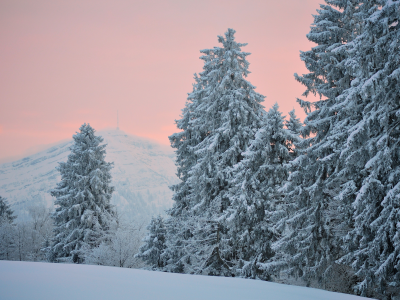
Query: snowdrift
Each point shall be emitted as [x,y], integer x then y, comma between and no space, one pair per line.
[45,281]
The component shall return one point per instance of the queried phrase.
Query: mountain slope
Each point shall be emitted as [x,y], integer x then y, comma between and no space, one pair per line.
[142,172]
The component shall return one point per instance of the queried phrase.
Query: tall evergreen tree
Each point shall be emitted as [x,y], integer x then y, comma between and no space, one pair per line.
[83,211]
[256,196]
[371,151]
[318,214]
[220,118]
[344,186]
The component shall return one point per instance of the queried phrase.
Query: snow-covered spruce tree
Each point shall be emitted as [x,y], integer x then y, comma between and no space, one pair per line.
[7,231]
[318,194]
[294,126]
[195,245]
[372,151]
[255,197]
[221,116]
[8,245]
[83,212]
[154,244]
[6,213]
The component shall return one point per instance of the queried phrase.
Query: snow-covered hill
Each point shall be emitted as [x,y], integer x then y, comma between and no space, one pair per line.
[45,281]
[142,172]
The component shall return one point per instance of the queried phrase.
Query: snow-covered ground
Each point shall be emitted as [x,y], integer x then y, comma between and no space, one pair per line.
[143,170]
[45,281]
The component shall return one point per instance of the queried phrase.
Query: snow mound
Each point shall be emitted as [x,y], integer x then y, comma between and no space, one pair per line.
[45,281]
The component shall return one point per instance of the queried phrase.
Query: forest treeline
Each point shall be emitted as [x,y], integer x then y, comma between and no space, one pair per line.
[260,195]
[266,197]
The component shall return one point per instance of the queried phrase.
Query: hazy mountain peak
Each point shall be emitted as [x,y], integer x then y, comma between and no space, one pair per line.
[143,170]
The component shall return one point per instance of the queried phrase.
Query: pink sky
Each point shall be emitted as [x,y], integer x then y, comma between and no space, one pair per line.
[63,63]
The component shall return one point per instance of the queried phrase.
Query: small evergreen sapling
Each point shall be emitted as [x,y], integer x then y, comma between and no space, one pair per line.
[154,244]
[8,231]
[6,213]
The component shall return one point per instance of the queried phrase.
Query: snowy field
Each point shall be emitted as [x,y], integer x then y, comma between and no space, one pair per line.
[45,281]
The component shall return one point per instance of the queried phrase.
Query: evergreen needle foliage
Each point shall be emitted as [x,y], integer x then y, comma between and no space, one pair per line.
[221,116]
[343,194]
[6,213]
[83,213]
